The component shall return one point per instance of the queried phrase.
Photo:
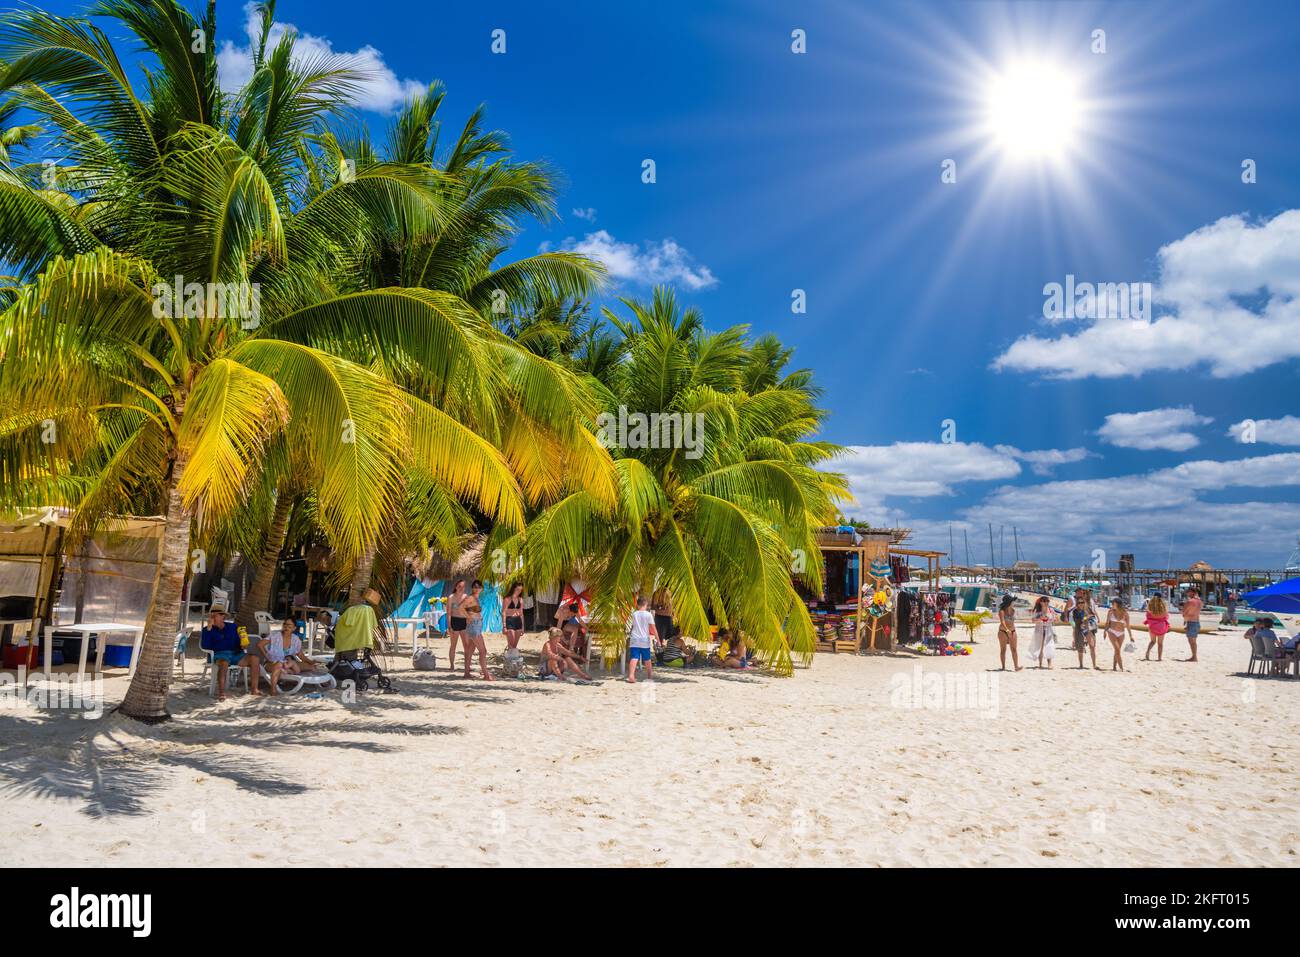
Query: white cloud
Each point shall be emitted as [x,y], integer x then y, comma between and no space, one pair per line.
[1045,461]
[920,469]
[1164,429]
[1229,294]
[1283,431]
[379,88]
[588,214]
[661,262]
[1062,522]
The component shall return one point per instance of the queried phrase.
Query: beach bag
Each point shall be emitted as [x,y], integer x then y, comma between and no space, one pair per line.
[1130,648]
[424,660]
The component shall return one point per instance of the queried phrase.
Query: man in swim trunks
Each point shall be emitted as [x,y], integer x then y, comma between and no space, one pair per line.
[1192,606]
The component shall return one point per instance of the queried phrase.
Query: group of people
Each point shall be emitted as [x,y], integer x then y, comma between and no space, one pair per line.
[280,651]
[1084,620]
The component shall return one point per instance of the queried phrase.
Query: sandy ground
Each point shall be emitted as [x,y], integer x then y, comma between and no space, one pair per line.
[884,760]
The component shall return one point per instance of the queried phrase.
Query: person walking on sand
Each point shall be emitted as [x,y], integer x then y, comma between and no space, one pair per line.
[1191,611]
[512,611]
[456,623]
[1117,628]
[1007,632]
[1157,622]
[473,636]
[1084,621]
[640,640]
[1044,643]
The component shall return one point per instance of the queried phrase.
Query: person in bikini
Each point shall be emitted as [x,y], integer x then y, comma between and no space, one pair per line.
[473,636]
[1007,632]
[456,623]
[556,660]
[512,610]
[1117,628]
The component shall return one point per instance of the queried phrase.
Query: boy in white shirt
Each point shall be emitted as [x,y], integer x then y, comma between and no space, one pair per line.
[641,634]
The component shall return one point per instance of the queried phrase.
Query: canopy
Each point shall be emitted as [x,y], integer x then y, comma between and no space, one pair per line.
[1282,597]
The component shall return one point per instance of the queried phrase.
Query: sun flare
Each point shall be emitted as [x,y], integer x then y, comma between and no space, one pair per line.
[1033,112]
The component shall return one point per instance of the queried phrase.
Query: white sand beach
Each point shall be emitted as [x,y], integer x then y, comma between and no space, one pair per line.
[1172,764]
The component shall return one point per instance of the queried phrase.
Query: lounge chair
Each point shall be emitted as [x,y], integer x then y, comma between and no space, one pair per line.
[319,680]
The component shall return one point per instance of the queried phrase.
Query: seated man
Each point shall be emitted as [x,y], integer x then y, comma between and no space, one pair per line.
[221,637]
[557,660]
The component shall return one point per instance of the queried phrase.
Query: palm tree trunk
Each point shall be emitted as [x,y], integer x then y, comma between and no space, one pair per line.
[361,573]
[146,698]
[259,594]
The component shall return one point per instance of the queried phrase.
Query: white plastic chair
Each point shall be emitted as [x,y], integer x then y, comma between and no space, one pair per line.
[234,675]
[264,622]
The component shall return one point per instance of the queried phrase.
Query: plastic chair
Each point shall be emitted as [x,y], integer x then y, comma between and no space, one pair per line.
[1257,655]
[178,653]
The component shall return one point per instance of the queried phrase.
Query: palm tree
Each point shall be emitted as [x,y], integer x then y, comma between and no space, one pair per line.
[721,523]
[539,413]
[192,186]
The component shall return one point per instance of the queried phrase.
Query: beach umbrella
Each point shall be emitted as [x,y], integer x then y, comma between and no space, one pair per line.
[1282,597]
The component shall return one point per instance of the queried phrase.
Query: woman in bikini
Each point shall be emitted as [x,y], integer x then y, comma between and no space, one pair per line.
[512,609]
[1117,627]
[473,636]
[456,623]
[1007,632]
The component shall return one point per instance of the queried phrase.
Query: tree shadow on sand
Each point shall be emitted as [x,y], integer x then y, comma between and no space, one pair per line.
[114,765]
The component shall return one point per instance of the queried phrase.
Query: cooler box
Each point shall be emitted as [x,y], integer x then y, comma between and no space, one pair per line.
[117,656]
[25,656]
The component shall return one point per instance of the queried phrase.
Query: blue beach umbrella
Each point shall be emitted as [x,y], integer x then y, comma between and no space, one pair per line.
[1282,598]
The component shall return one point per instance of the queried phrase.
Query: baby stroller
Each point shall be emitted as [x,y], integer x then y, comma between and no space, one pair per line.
[361,668]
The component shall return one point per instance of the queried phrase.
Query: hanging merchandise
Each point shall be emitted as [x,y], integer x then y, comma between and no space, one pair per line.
[882,598]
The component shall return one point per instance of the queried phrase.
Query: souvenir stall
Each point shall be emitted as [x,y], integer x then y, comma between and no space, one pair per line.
[847,558]
[923,613]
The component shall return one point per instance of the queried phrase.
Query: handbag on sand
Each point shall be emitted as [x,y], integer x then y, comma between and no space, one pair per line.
[424,660]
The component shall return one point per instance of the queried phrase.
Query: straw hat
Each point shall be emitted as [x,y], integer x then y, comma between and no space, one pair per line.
[371,596]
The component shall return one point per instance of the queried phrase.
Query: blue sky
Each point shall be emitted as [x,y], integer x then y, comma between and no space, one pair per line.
[821,171]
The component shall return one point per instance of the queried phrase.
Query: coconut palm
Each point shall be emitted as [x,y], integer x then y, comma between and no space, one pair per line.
[541,414]
[188,185]
[722,523]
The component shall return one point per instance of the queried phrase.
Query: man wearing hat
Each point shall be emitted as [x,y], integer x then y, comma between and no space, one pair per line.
[221,637]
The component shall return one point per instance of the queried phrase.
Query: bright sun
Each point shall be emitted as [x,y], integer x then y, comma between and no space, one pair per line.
[1033,112]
